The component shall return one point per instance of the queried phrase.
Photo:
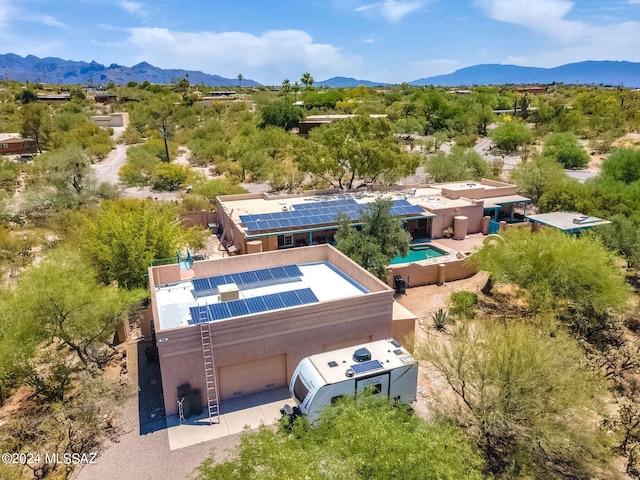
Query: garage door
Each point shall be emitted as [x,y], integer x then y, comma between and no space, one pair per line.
[254,376]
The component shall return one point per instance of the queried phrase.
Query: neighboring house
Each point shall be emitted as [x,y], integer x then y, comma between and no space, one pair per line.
[251,223]
[119,119]
[14,144]
[568,222]
[251,318]
[105,97]
[535,89]
[54,97]
[313,121]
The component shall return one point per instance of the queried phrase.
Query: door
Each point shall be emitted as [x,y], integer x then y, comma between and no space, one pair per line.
[251,377]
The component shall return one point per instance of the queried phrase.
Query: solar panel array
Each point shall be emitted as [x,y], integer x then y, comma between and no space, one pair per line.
[317,213]
[402,207]
[209,285]
[366,366]
[247,306]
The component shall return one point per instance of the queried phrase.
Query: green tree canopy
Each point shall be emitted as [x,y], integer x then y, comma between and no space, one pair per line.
[59,300]
[566,150]
[460,164]
[380,238]
[510,134]
[526,397]
[36,123]
[623,165]
[211,189]
[358,438]
[354,152]
[65,180]
[557,272]
[281,113]
[535,175]
[126,235]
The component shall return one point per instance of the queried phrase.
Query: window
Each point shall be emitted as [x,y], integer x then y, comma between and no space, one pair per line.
[5,146]
[285,241]
[300,391]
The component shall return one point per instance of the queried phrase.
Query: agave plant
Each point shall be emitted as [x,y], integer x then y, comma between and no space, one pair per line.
[440,319]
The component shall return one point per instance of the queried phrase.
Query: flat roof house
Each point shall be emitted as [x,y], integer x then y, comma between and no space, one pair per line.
[568,222]
[239,325]
[14,144]
[251,223]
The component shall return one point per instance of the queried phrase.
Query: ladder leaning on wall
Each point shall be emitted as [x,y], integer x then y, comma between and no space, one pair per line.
[209,371]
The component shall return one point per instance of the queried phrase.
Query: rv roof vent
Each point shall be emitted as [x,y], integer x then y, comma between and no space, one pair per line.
[362,355]
[349,372]
[332,364]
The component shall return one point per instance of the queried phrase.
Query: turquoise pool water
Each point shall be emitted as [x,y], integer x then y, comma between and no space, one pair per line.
[419,252]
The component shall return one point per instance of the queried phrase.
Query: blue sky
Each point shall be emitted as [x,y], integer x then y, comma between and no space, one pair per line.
[268,41]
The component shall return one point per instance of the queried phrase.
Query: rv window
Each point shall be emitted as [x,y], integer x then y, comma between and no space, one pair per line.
[299,390]
[336,398]
[376,389]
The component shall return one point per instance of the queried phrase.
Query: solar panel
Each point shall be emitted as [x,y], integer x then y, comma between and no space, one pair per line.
[237,308]
[219,311]
[273,301]
[306,295]
[256,305]
[278,272]
[290,299]
[196,316]
[263,275]
[292,271]
[366,366]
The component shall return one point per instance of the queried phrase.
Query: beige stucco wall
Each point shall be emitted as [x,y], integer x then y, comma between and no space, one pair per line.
[445,218]
[416,274]
[296,332]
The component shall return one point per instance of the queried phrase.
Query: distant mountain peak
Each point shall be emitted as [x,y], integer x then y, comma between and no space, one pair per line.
[58,71]
[591,72]
[347,82]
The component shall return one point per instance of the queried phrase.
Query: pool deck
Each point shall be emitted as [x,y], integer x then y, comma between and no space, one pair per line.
[466,245]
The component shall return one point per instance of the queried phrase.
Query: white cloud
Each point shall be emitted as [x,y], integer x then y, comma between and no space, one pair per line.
[133,8]
[7,11]
[604,42]
[543,16]
[392,10]
[267,58]
[364,8]
[47,20]
[571,41]
[633,2]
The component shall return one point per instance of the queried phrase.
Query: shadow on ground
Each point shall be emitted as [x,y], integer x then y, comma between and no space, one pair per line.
[150,399]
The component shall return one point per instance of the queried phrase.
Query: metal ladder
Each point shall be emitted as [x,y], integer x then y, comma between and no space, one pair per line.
[209,370]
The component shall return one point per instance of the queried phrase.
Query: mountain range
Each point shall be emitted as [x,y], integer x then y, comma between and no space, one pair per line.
[58,71]
[581,73]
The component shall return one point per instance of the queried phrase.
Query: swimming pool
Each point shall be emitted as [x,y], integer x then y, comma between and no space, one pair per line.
[419,252]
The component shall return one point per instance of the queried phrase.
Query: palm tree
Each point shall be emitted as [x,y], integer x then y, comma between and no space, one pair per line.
[240,78]
[296,89]
[307,79]
[286,86]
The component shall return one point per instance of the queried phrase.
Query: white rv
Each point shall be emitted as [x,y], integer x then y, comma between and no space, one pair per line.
[384,365]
